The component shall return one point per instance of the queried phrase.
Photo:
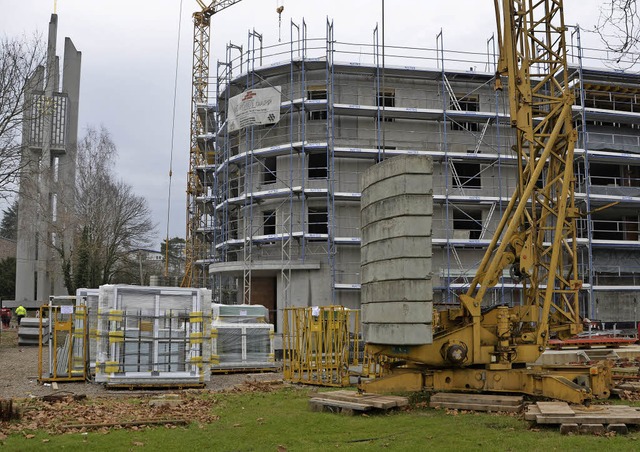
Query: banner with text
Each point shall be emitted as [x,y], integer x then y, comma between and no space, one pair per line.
[254,107]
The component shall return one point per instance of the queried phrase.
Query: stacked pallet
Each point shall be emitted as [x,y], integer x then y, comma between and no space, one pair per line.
[477,402]
[350,402]
[595,419]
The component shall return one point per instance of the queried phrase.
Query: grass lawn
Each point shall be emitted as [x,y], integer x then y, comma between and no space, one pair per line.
[265,421]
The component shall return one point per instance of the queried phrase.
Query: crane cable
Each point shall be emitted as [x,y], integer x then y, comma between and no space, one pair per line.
[173,127]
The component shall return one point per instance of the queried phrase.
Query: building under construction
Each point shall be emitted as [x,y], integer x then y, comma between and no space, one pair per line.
[281,207]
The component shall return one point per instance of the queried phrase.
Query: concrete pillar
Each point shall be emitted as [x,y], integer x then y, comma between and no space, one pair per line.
[44,183]
[396,214]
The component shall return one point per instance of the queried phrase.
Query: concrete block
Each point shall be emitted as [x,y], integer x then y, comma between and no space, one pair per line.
[398,334]
[619,429]
[396,227]
[401,184]
[401,205]
[398,312]
[420,164]
[593,429]
[405,268]
[395,247]
[569,429]
[418,290]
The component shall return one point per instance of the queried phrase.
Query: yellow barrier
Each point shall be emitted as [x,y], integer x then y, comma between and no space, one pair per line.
[66,340]
[320,344]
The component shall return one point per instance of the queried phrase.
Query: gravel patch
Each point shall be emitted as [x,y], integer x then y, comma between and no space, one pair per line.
[19,375]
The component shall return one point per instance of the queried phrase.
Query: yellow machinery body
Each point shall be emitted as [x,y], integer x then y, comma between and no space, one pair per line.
[476,347]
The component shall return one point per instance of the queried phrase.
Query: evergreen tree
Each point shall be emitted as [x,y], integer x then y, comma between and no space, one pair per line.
[9,224]
[8,278]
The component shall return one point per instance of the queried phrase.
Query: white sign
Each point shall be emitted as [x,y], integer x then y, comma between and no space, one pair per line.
[66,309]
[254,107]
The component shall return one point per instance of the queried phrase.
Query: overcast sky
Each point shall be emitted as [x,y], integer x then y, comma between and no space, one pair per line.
[129,63]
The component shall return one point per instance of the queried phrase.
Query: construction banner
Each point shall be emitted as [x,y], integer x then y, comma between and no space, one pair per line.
[254,107]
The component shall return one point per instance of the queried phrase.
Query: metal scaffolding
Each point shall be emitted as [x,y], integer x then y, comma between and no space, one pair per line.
[285,196]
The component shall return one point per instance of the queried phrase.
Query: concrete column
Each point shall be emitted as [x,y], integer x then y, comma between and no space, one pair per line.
[396,214]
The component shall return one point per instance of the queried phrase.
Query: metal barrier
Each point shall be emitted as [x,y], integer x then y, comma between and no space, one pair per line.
[321,343]
[66,340]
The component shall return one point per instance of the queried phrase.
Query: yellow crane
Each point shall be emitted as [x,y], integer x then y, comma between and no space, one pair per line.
[195,246]
[488,349]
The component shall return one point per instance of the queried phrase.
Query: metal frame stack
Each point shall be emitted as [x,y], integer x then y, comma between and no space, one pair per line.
[153,336]
[65,336]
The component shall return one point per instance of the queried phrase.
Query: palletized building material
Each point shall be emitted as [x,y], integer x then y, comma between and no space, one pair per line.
[242,338]
[153,336]
[89,298]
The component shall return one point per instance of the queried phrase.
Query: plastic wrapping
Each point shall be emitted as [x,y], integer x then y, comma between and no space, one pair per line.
[89,298]
[241,338]
[153,336]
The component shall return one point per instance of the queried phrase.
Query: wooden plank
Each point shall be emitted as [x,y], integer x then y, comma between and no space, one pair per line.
[555,409]
[589,419]
[531,413]
[596,414]
[477,398]
[370,401]
[375,400]
[339,403]
[476,406]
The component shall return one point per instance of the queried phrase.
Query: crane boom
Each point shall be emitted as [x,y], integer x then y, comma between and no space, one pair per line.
[481,347]
[195,247]
[537,234]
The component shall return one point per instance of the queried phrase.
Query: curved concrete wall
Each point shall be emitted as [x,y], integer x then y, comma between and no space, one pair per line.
[396,217]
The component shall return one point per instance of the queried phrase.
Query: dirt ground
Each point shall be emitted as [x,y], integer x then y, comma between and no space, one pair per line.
[19,375]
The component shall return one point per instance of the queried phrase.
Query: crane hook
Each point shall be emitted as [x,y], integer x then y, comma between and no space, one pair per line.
[279,10]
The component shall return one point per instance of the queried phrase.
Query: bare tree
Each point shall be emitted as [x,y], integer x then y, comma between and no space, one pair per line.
[108,219]
[619,29]
[19,59]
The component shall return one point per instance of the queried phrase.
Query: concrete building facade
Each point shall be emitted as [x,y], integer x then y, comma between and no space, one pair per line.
[284,199]
[47,183]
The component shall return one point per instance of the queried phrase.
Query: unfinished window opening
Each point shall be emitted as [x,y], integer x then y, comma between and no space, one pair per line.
[270,168]
[466,103]
[468,175]
[608,230]
[233,188]
[602,174]
[317,93]
[601,97]
[386,98]
[317,166]
[54,207]
[269,222]
[467,224]
[631,176]
[55,168]
[630,227]
[318,221]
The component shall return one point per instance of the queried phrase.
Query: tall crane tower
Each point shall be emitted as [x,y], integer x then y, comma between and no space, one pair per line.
[195,247]
[478,347]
